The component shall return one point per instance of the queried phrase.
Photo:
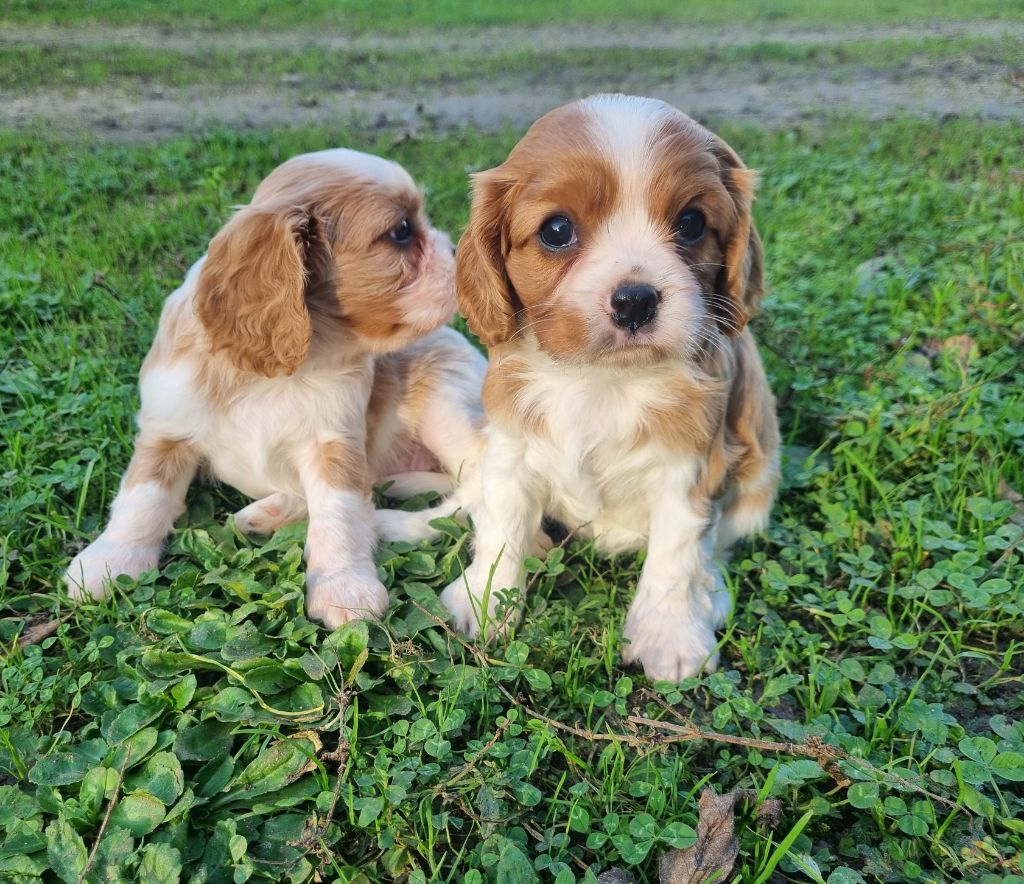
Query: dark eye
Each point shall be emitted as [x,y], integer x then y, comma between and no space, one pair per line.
[690,226]
[557,232]
[402,233]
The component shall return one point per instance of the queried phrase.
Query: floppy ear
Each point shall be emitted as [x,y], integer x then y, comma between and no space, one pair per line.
[742,277]
[486,297]
[251,291]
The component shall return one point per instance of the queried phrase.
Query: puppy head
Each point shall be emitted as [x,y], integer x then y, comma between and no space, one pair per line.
[617,229]
[335,239]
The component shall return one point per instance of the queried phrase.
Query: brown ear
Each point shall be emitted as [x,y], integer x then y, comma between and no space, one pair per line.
[251,291]
[742,277]
[486,297]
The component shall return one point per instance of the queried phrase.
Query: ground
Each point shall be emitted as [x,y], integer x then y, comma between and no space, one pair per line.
[197,728]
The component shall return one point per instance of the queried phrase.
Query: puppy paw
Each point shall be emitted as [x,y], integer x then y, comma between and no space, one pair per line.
[403,526]
[339,597]
[91,572]
[475,611]
[671,640]
[266,515]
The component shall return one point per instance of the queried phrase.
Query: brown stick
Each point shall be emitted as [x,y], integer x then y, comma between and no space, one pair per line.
[814,747]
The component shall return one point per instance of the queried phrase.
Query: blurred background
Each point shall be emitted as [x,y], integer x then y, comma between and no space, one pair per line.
[139,69]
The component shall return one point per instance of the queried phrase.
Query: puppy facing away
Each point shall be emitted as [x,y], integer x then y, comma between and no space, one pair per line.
[610,264]
[302,360]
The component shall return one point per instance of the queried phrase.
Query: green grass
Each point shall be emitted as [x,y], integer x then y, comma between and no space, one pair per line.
[398,15]
[423,71]
[882,611]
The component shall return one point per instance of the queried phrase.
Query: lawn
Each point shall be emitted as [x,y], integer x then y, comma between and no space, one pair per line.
[399,15]
[197,728]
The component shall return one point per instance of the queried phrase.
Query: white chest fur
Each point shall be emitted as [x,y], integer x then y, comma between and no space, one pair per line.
[599,466]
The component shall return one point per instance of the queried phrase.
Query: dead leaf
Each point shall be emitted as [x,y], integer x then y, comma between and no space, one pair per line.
[38,631]
[962,348]
[615,876]
[712,857]
[1016,498]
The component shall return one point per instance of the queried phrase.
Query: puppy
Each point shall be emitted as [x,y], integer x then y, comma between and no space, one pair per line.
[610,263]
[302,360]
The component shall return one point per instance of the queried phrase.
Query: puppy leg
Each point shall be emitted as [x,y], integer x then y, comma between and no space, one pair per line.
[151,497]
[341,577]
[274,511]
[746,508]
[507,521]
[680,596]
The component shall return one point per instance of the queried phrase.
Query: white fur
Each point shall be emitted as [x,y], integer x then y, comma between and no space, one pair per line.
[269,436]
[588,464]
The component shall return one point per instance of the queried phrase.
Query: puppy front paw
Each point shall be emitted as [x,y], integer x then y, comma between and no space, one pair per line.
[91,572]
[476,610]
[338,597]
[672,638]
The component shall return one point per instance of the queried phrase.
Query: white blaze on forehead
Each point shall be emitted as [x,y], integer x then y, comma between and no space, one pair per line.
[358,164]
[625,126]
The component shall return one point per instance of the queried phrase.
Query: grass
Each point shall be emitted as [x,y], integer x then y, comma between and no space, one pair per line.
[422,71]
[207,730]
[400,15]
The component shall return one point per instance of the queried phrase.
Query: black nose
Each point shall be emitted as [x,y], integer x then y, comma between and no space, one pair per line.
[634,305]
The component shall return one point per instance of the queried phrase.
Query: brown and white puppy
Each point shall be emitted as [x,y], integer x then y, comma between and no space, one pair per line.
[611,264]
[302,360]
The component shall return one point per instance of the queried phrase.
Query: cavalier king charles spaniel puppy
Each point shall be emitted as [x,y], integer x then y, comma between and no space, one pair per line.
[610,264]
[302,360]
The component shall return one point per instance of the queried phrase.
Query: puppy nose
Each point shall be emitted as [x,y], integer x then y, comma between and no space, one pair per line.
[634,305]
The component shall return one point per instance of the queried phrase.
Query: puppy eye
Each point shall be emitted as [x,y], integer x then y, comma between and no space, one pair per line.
[690,226]
[557,232]
[402,233]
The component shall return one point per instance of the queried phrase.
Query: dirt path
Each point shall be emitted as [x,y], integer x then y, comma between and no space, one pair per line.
[755,94]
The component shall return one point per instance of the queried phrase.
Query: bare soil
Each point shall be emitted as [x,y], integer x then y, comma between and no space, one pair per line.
[753,94]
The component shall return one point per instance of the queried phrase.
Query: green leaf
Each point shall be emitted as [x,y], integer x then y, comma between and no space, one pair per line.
[204,741]
[183,692]
[349,641]
[538,679]
[517,652]
[232,704]
[140,813]
[980,749]
[863,795]
[166,623]
[161,776]
[914,825]
[281,763]
[116,848]
[369,809]
[247,644]
[130,721]
[526,794]
[92,793]
[161,864]
[214,776]
[579,818]
[513,866]
[678,835]
[1009,766]
[643,827]
[882,674]
[58,769]
[65,850]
